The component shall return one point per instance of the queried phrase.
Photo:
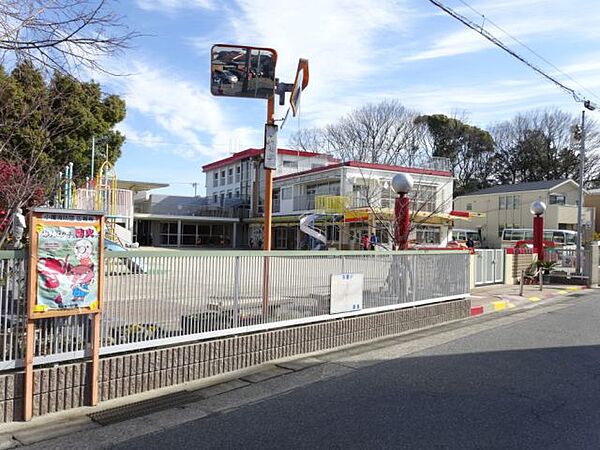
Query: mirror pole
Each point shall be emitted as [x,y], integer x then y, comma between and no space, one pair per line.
[269,182]
[268,207]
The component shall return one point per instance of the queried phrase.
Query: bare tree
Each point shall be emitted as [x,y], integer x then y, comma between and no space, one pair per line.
[63,35]
[538,145]
[383,133]
[378,197]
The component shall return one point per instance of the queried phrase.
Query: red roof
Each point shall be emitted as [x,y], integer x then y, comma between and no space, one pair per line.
[363,165]
[252,152]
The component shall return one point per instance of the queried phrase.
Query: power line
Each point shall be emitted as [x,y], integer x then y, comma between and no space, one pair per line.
[521,43]
[497,42]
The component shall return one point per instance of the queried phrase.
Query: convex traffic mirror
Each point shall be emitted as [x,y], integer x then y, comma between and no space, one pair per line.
[238,71]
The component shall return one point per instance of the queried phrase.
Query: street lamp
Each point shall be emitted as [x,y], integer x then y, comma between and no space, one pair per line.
[538,208]
[402,183]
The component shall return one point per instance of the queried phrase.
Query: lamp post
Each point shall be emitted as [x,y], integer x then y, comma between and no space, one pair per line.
[402,184]
[537,209]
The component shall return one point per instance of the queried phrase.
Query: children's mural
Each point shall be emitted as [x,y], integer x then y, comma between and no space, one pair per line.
[67,266]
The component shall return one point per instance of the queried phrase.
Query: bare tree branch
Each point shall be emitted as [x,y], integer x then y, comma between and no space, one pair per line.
[63,35]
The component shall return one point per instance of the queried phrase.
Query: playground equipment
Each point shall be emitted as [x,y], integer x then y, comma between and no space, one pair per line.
[100,194]
[307,226]
[65,191]
[106,195]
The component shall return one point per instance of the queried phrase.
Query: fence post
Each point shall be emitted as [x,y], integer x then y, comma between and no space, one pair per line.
[522,282]
[541,278]
[236,293]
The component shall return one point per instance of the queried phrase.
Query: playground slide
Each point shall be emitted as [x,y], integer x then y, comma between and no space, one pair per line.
[133,264]
[307,223]
[124,236]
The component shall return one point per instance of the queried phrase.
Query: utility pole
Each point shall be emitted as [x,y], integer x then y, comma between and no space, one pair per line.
[580,203]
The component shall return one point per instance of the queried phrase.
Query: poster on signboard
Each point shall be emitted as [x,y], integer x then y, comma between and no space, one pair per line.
[67,266]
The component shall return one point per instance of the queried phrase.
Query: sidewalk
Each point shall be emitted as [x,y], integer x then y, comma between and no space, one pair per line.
[498,297]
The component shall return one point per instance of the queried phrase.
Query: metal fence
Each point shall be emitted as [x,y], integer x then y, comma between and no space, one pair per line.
[155,298]
[565,259]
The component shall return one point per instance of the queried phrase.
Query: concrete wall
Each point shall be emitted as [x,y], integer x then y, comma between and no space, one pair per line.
[63,386]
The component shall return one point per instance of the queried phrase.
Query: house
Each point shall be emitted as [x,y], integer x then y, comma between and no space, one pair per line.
[592,199]
[339,203]
[507,206]
[239,178]
[318,201]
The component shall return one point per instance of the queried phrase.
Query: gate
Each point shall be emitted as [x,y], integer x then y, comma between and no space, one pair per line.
[489,266]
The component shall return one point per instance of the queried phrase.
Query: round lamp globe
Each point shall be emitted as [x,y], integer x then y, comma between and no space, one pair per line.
[402,183]
[538,208]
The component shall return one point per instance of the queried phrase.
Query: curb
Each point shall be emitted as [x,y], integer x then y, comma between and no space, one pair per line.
[502,305]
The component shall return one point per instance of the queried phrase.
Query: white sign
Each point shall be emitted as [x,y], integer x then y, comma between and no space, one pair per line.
[271,146]
[346,293]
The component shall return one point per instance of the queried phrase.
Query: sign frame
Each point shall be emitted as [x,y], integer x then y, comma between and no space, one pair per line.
[65,218]
[40,217]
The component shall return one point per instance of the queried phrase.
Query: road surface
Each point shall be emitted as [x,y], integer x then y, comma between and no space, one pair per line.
[524,379]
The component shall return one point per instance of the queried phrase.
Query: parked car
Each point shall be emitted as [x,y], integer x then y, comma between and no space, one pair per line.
[224,76]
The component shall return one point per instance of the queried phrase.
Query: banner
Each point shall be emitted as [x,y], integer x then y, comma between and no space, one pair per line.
[67,266]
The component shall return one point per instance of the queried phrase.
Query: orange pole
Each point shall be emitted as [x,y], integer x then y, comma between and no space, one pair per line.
[268,207]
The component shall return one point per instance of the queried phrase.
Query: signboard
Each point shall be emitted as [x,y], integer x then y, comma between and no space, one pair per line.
[67,252]
[300,84]
[66,278]
[356,216]
[271,146]
[346,293]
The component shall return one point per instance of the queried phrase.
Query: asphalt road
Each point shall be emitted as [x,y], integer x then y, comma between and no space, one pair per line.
[532,383]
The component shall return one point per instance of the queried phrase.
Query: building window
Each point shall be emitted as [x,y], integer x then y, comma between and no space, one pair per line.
[501,203]
[229,194]
[238,171]
[215,198]
[168,233]
[290,164]
[557,199]
[469,206]
[216,179]
[222,178]
[516,202]
[237,193]
[230,176]
[428,235]
[286,193]
[424,198]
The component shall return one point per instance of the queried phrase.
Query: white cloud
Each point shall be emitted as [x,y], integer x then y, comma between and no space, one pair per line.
[171,6]
[525,20]
[342,40]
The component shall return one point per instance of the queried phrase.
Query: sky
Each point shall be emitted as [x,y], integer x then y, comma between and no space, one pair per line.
[359,52]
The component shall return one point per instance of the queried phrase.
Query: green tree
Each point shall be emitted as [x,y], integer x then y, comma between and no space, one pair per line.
[44,124]
[469,149]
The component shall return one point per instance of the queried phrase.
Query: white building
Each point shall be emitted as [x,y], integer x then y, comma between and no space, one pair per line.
[239,179]
[352,199]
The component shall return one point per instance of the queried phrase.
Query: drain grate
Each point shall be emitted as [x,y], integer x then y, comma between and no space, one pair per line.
[143,408]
